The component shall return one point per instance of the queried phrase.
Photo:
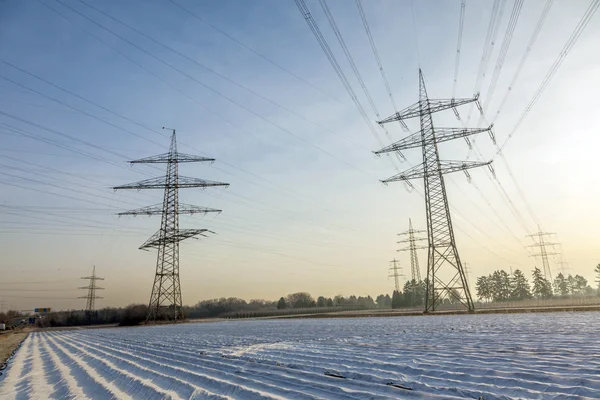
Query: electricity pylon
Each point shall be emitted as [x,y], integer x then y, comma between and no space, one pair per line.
[165,300]
[415,271]
[412,247]
[440,234]
[91,297]
[543,254]
[395,274]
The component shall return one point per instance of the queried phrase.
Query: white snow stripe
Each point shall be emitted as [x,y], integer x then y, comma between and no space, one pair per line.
[197,389]
[74,388]
[41,387]
[92,372]
[13,373]
[144,381]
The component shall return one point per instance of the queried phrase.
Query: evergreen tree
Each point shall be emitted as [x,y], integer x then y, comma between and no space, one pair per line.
[397,299]
[281,304]
[500,285]
[330,302]
[541,287]
[561,286]
[597,271]
[519,286]
[483,288]
[571,284]
[580,284]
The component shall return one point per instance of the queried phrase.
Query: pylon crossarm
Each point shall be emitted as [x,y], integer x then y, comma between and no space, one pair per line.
[445,167]
[170,157]
[441,135]
[158,210]
[159,183]
[160,238]
[436,105]
[92,287]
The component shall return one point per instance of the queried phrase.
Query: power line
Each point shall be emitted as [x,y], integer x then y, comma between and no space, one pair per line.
[530,44]
[461,22]
[591,10]
[378,60]
[336,66]
[490,38]
[353,66]
[269,60]
[512,23]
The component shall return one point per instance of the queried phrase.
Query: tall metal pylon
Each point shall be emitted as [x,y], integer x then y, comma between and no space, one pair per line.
[442,249]
[412,247]
[395,274]
[543,254]
[165,299]
[90,305]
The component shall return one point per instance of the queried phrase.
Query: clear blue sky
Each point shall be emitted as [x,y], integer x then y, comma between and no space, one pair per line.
[305,210]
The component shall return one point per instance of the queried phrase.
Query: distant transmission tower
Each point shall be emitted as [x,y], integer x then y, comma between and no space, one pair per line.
[91,297]
[395,267]
[543,254]
[165,300]
[412,247]
[442,246]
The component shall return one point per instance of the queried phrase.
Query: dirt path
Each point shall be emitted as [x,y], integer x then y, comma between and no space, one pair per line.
[8,342]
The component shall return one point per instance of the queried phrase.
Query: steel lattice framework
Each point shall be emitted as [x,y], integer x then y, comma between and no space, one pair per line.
[442,249]
[91,297]
[165,300]
[543,254]
[395,274]
[412,247]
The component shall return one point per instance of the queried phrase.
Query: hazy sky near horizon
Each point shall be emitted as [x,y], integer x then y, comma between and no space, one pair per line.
[305,210]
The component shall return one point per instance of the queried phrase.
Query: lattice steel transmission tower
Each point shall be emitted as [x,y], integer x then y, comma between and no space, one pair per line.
[413,247]
[165,300]
[90,305]
[395,274]
[543,254]
[440,234]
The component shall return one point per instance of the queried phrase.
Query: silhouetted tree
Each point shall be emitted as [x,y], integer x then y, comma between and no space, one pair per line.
[321,302]
[541,287]
[580,284]
[300,300]
[484,289]
[500,285]
[281,304]
[383,301]
[397,299]
[597,271]
[329,302]
[561,285]
[519,286]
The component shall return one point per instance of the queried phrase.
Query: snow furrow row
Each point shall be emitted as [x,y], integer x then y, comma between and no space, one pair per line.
[500,357]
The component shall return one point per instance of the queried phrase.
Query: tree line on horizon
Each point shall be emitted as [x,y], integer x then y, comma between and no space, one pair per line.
[501,286]
[497,286]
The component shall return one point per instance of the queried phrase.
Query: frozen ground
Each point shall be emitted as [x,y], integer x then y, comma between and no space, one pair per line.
[539,356]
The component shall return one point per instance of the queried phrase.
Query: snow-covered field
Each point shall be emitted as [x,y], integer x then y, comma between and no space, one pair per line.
[539,356]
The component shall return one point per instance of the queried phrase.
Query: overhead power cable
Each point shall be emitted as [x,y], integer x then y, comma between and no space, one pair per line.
[250,49]
[510,29]
[378,60]
[591,10]
[461,22]
[336,66]
[218,93]
[530,44]
[488,44]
